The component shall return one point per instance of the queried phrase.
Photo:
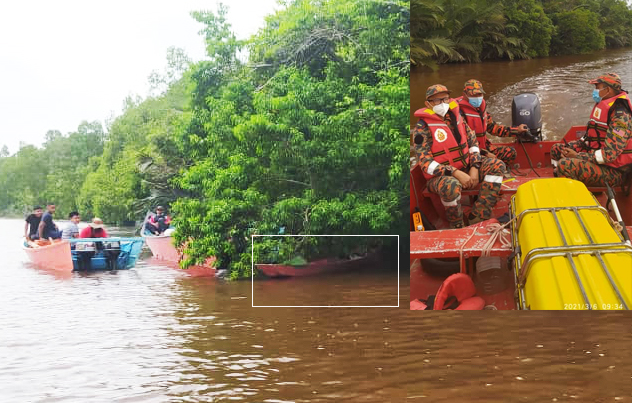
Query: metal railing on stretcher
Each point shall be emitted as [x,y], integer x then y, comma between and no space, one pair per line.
[521,274]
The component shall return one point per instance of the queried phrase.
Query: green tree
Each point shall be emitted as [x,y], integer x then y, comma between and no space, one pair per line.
[310,135]
[533,25]
[616,22]
[430,41]
[577,32]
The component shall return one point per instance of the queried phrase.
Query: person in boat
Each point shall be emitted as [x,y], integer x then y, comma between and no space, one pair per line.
[72,229]
[32,224]
[96,229]
[111,250]
[47,229]
[450,158]
[159,222]
[474,111]
[604,155]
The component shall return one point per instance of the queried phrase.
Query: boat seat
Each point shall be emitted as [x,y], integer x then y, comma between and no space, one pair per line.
[448,243]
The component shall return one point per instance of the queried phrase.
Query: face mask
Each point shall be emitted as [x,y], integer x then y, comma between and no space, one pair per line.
[476,101]
[441,109]
[596,96]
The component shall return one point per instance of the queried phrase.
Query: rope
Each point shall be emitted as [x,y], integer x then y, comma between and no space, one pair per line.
[462,246]
[616,225]
[496,232]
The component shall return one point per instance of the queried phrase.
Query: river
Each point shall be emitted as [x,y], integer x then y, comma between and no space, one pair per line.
[152,334]
[560,83]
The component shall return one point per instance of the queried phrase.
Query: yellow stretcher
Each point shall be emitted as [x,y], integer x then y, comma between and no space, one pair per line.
[568,255]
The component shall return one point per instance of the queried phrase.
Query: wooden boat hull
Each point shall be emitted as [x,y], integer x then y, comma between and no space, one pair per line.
[205,270]
[313,268]
[162,248]
[56,256]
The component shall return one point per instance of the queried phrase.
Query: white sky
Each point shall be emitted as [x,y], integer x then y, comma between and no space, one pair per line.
[65,61]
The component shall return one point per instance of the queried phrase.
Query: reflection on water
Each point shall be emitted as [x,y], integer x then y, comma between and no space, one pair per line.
[152,334]
[560,83]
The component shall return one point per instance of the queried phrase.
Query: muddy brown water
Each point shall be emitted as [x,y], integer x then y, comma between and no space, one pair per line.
[560,83]
[150,334]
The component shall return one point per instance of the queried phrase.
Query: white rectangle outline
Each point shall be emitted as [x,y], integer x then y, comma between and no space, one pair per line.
[252,279]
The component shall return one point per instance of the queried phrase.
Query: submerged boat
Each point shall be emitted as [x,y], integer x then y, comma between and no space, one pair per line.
[315,267]
[559,247]
[86,254]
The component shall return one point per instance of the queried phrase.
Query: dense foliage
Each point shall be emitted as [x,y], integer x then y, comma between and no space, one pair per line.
[300,130]
[308,137]
[53,173]
[472,30]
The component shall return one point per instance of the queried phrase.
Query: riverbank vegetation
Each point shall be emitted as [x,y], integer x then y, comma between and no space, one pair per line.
[307,134]
[444,31]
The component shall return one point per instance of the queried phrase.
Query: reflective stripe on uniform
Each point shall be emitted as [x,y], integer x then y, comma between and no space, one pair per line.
[493,179]
[433,165]
[451,203]
[599,123]
[599,157]
[475,150]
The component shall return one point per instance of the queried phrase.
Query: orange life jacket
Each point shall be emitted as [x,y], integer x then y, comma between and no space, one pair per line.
[476,119]
[457,292]
[445,148]
[598,126]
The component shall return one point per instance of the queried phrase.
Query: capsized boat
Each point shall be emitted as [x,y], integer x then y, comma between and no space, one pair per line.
[60,256]
[317,266]
[562,248]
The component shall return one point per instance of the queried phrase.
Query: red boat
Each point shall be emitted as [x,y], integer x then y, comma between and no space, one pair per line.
[437,251]
[315,267]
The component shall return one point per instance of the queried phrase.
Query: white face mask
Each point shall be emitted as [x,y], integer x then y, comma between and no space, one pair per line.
[441,109]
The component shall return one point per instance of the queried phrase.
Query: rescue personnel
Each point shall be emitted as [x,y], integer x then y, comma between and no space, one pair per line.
[450,158]
[604,154]
[474,111]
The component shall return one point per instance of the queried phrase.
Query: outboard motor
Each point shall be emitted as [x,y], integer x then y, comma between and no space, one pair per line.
[112,250]
[525,108]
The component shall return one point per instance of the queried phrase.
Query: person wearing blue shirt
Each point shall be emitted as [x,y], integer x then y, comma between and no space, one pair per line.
[47,228]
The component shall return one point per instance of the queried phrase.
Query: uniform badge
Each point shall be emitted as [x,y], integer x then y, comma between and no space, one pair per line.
[441,135]
[597,113]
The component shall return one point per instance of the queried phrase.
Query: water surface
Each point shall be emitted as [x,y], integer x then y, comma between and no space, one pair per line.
[152,334]
[560,83]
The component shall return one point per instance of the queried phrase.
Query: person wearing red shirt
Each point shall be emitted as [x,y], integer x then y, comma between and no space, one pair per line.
[111,250]
[94,229]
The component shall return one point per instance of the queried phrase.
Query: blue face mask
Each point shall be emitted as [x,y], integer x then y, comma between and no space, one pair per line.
[476,101]
[596,96]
